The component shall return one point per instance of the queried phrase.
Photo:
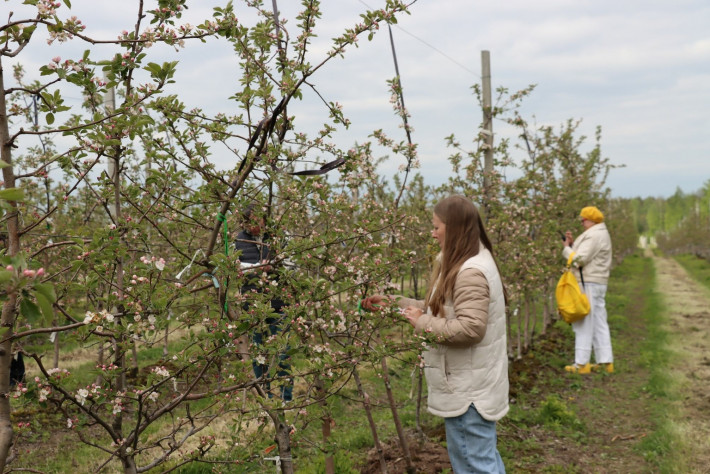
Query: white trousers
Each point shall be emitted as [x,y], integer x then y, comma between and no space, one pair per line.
[592,332]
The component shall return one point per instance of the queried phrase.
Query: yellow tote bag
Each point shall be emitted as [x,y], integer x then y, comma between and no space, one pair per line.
[572,304]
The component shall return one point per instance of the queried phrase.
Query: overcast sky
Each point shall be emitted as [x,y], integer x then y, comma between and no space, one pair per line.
[639,69]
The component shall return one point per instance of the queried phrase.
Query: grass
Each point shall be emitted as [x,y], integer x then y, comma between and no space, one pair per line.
[655,355]
[551,410]
[698,268]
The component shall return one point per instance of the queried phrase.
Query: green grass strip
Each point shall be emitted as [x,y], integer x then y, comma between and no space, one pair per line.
[659,447]
[698,268]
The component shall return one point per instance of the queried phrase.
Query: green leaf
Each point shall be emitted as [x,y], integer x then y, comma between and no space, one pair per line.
[47,291]
[5,276]
[50,118]
[4,164]
[12,194]
[30,311]
[27,32]
[46,307]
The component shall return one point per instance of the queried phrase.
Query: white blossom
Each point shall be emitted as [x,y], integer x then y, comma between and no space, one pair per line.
[43,393]
[161,371]
[81,395]
[89,317]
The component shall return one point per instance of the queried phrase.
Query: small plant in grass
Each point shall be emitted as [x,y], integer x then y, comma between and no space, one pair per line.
[554,412]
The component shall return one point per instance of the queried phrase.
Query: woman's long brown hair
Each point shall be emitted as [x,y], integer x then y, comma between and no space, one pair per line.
[462,240]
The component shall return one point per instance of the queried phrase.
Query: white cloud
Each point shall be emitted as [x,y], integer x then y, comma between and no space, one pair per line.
[637,68]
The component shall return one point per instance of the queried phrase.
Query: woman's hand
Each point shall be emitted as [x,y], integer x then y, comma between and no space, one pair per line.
[569,239]
[377,302]
[372,303]
[412,313]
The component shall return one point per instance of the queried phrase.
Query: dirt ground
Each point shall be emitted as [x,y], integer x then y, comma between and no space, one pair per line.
[616,410]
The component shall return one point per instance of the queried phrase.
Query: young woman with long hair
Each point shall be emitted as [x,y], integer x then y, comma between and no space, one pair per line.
[466,368]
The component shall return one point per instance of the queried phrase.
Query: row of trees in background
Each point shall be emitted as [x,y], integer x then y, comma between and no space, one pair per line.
[679,224]
[139,256]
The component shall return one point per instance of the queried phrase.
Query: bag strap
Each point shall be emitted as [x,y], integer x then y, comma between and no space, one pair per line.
[569,263]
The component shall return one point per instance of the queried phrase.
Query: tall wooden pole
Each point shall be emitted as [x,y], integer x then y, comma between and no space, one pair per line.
[111,166]
[487,124]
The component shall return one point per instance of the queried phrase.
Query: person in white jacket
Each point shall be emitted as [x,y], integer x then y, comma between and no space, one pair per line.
[466,368]
[592,255]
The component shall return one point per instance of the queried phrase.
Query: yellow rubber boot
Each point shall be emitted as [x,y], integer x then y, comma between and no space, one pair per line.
[579,369]
[608,367]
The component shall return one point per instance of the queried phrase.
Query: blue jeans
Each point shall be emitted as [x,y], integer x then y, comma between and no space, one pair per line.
[471,442]
[262,370]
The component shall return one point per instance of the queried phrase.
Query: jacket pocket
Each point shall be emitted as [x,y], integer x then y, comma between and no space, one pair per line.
[459,369]
[435,370]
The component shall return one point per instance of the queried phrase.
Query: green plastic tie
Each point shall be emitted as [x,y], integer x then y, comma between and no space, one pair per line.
[222,218]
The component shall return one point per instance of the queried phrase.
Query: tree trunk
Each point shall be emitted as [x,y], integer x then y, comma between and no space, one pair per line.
[526,338]
[371,421]
[100,358]
[129,465]
[6,433]
[395,418]
[283,441]
[326,427]
[165,341]
[7,319]
[417,416]
[519,353]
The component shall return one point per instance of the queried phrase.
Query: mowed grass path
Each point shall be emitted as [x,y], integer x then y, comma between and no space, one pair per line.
[652,415]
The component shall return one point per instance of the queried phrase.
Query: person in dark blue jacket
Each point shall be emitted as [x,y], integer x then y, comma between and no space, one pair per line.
[255,258]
